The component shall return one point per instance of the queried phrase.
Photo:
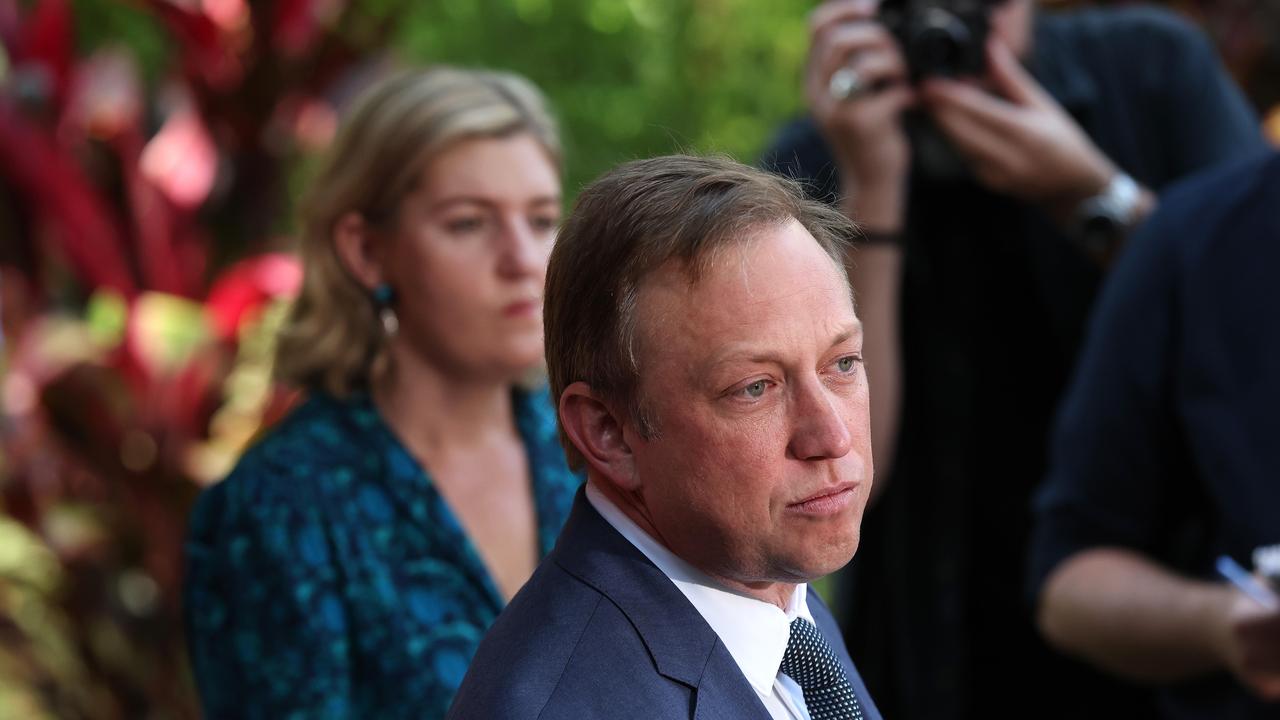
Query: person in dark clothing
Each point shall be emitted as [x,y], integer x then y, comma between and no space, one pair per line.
[974,282]
[1165,456]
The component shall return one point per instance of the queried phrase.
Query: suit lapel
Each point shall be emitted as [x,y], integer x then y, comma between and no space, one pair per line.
[682,645]
[724,693]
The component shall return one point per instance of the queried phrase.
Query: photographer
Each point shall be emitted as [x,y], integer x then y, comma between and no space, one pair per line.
[991,204]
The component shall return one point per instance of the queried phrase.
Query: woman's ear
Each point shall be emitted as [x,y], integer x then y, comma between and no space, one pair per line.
[353,241]
[596,431]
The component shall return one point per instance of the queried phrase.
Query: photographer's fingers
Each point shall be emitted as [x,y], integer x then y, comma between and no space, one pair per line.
[1043,152]
[1013,80]
[1260,635]
[865,48]
[842,43]
[995,159]
[876,70]
[953,98]
[887,105]
[1253,638]
[834,13]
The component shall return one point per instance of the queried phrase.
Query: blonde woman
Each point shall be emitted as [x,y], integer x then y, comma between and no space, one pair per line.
[352,561]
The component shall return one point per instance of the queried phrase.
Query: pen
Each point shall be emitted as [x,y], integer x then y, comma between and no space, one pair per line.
[1248,584]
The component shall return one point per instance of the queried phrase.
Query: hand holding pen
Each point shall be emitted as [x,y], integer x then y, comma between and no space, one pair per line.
[1253,643]
[1261,592]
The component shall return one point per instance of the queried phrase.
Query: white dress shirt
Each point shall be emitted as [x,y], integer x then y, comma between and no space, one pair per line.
[755,632]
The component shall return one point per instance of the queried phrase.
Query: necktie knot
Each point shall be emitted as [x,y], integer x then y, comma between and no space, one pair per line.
[810,661]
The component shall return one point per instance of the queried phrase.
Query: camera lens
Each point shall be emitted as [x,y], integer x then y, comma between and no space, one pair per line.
[940,44]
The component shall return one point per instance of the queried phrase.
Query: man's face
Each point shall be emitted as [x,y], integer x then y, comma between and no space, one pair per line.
[762,461]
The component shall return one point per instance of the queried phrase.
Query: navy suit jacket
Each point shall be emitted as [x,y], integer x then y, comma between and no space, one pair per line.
[600,632]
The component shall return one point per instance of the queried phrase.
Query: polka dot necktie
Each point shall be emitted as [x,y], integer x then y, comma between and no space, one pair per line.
[810,662]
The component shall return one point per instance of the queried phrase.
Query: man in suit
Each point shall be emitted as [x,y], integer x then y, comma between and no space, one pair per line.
[704,350]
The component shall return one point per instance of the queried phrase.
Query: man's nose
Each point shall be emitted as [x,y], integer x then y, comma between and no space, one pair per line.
[819,429]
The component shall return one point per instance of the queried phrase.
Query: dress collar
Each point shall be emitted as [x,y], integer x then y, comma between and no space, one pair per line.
[415,493]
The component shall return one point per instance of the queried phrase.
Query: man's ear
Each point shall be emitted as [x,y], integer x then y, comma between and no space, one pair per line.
[353,241]
[594,428]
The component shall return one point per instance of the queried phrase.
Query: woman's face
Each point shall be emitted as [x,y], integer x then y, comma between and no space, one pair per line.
[468,255]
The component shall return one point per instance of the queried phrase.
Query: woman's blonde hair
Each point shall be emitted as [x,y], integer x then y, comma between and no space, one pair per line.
[332,337]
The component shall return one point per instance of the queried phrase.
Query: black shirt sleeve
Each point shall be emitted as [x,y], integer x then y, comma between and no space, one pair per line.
[1208,117]
[1111,479]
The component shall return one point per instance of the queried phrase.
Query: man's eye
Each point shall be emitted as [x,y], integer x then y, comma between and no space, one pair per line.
[755,389]
[845,364]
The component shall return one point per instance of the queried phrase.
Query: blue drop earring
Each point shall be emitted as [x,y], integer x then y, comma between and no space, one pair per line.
[383,299]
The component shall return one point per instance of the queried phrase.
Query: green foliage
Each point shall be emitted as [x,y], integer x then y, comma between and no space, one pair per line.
[630,78]
[107,23]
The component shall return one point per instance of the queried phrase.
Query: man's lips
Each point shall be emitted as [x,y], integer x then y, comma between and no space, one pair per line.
[827,500]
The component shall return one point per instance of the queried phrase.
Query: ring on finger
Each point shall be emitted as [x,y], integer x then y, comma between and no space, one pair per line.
[846,84]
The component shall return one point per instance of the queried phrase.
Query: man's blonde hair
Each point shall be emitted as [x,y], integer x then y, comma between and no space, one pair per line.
[332,337]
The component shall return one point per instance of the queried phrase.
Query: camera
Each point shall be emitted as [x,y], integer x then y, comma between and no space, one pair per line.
[939,37]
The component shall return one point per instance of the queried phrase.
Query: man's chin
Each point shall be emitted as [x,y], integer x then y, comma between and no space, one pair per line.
[814,565]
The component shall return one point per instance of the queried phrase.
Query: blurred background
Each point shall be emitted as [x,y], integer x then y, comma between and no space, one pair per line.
[151,153]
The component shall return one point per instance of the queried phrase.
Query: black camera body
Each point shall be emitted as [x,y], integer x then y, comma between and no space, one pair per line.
[940,37]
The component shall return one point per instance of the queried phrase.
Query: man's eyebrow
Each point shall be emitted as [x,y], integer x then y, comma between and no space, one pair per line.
[855,329]
[736,353]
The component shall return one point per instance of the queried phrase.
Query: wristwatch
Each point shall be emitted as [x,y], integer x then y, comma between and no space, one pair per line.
[1103,220]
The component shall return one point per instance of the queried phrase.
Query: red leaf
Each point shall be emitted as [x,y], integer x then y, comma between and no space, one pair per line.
[45,40]
[298,24]
[240,293]
[65,201]
[208,53]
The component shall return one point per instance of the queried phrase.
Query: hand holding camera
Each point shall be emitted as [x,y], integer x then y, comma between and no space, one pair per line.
[870,60]
[856,83]
[1018,140]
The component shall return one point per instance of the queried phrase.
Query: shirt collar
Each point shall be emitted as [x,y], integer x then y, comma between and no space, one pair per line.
[753,631]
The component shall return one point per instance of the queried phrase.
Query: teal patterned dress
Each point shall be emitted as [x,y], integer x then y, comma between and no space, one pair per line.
[328,578]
